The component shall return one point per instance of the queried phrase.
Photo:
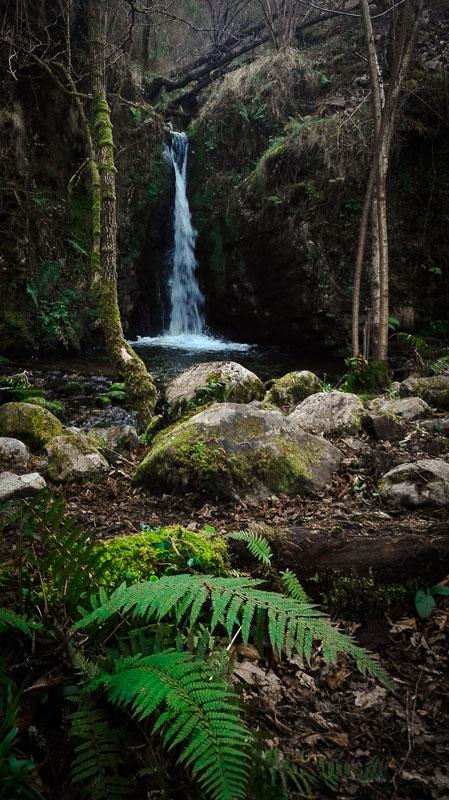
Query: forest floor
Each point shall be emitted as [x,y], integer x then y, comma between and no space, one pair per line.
[395,743]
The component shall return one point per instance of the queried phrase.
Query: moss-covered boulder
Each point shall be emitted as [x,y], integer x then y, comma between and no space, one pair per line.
[29,423]
[434,390]
[331,413]
[406,408]
[223,381]
[73,457]
[234,451]
[292,388]
[161,551]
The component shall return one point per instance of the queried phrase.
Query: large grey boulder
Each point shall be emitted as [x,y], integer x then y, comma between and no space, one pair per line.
[329,413]
[239,385]
[435,390]
[73,457]
[30,423]
[407,408]
[12,485]
[421,483]
[236,450]
[292,388]
[13,452]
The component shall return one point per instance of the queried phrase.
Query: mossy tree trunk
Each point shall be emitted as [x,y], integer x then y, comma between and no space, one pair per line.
[138,381]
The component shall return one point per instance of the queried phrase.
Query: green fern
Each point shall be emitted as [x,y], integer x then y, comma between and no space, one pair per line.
[195,711]
[293,587]
[97,755]
[257,545]
[290,625]
[10,621]
[69,564]
[440,365]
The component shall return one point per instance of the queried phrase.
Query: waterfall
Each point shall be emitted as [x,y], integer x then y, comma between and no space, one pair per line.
[186,298]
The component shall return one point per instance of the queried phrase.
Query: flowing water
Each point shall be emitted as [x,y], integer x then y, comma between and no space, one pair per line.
[187,340]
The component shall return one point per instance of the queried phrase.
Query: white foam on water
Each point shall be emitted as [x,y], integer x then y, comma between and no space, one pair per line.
[191,342]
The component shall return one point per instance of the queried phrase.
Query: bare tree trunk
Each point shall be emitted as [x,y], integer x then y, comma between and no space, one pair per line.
[384,115]
[138,382]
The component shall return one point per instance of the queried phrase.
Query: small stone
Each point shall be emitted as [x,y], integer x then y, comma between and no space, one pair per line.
[115,437]
[438,425]
[435,389]
[330,413]
[421,483]
[384,427]
[292,388]
[409,408]
[12,485]
[72,457]
[238,384]
[13,452]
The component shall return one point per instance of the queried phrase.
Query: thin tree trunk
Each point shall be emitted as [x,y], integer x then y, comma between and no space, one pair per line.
[138,382]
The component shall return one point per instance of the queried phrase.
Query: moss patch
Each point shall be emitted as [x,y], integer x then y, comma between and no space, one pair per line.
[161,551]
[30,423]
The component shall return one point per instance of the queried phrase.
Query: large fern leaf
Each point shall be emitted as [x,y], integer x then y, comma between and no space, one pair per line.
[11,621]
[196,712]
[291,625]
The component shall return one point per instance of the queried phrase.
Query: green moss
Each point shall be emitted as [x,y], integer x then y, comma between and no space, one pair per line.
[162,551]
[71,388]
[30,423]
[54,406]
[159,179]
[354,595]
[292,388]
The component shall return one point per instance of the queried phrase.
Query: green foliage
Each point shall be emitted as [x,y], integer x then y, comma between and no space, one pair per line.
[157,551]
[17,774]
[98,754]
[69,566]
[194,711]
[365,376]
[11,621]
[293,588]
[257,545]
[255,113]
[440,365]
[54,302]
[424,600]
[289,625]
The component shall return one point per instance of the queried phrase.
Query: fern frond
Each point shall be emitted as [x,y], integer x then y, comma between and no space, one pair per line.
[11,621]
[97,755]
[441,365]
[293,587]
[196,712]
[291,625]
[256,544]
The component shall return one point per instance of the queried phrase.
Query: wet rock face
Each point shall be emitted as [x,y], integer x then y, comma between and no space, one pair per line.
[13,452]
[235,451]
[330,413]
[72,457]
[236,383]
[292,388]
[435,390]
[19,485]
[422,483]
[31,424]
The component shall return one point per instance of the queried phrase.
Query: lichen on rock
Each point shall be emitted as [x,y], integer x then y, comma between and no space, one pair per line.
[234,451]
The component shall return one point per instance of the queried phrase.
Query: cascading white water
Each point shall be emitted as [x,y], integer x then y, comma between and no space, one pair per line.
[187,329]
[186,298]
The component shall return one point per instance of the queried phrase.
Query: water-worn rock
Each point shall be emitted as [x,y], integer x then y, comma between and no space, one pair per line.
[13,452]
[407,408]
[435,390]
[31,424]
[384,427]
[239,385]
[115,437]
[422,483]
[329,413]
[236,450]
[292,388]
[73,457]
[19,485]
